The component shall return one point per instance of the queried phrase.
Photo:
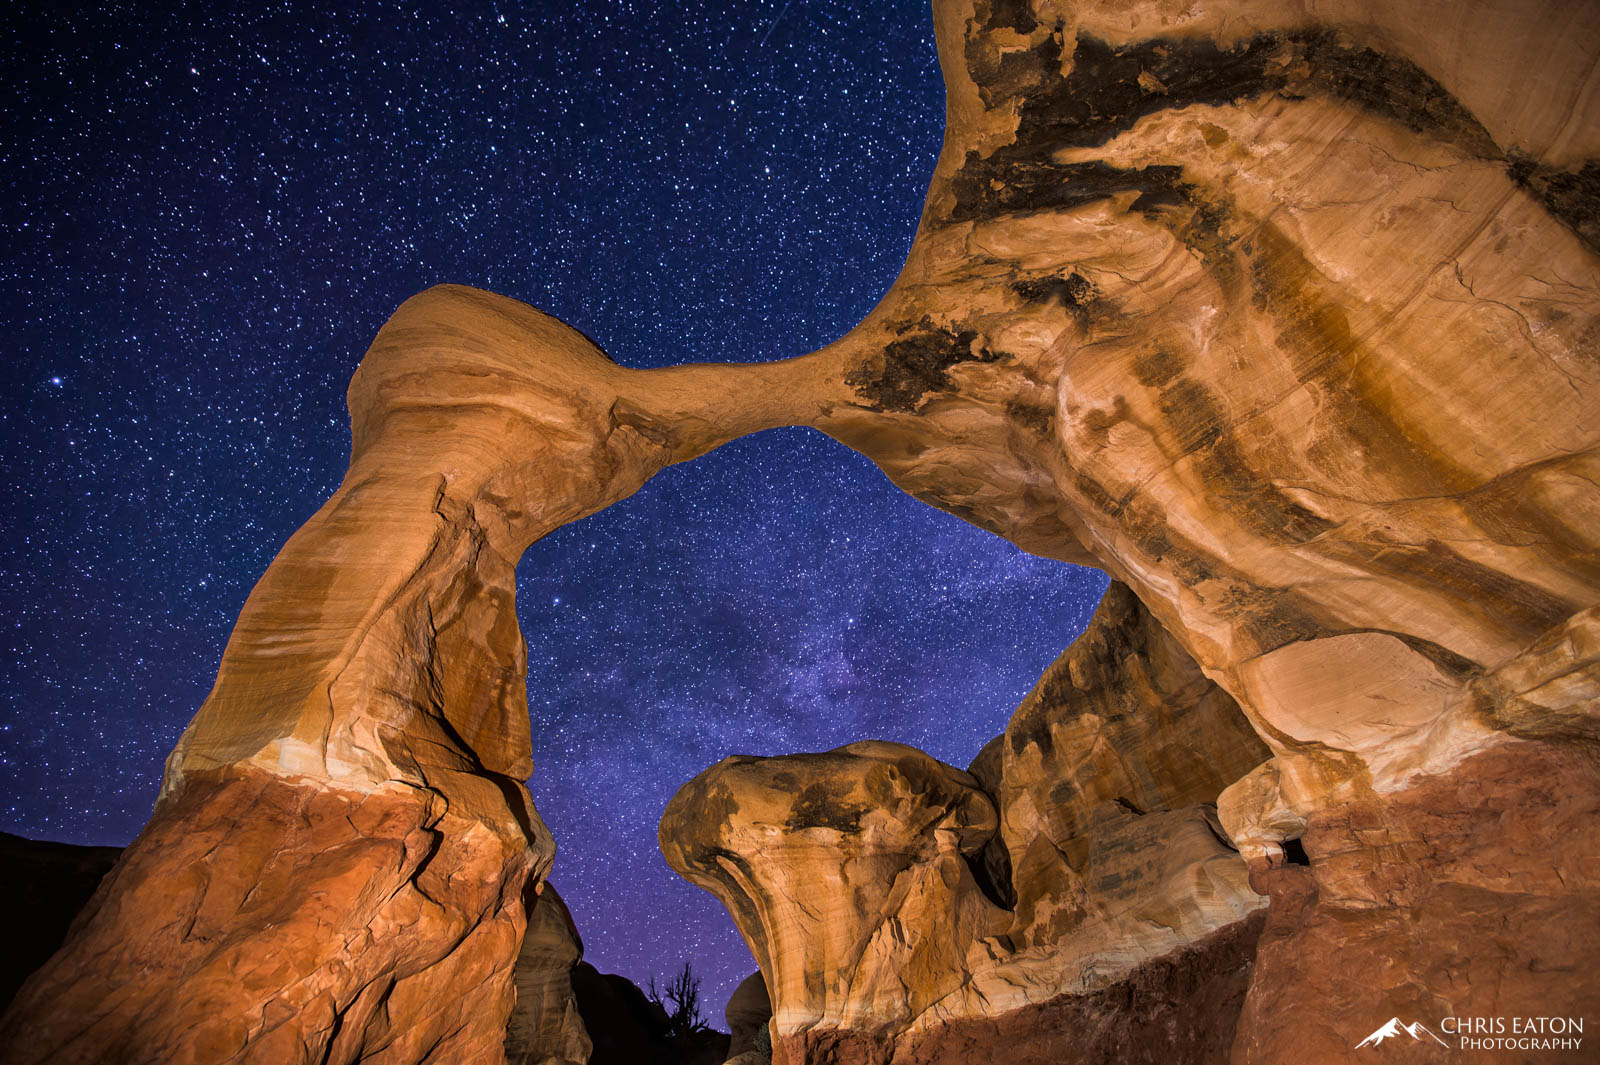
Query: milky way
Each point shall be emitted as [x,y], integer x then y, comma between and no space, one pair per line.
[209,213]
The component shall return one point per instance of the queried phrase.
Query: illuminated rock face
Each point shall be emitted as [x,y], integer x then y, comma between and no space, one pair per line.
[1280,323]
[1286,316]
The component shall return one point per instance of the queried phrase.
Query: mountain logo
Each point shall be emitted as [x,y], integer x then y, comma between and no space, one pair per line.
[1416,1030]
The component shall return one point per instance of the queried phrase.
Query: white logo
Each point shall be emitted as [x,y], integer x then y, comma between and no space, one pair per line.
[1393,1028]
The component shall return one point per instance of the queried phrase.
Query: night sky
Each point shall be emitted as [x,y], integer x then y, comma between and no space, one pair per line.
[208,213]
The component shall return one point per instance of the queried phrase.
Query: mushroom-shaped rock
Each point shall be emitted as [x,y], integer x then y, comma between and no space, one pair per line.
[848,874]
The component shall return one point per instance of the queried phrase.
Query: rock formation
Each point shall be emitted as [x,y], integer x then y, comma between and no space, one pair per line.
[848,874]
[546,1026]
[902,909]
[1287,318]
[336,867]
[748,1013]
[1284,315]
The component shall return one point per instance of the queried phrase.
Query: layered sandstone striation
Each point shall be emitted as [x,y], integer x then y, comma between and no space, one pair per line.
[1121,749]
[1472,894]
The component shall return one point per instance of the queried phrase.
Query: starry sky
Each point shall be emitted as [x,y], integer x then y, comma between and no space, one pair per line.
[209,211]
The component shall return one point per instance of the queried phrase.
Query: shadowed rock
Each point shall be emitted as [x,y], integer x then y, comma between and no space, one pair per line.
[748,1012]
[546,1027]
[44,887]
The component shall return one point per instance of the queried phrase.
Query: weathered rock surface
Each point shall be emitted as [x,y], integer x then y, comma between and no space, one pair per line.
[546,1027]
[1475,893]
[1122,734]
[1274,313]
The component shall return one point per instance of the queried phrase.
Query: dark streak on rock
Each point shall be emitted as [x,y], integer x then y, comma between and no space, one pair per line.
[1072,292]
[997,185]
[1010,15]
[1034,417]
[1572,196]
[822,805]
[1201,427]
[710,862]
[1267,617]
[916,364]
[1435,564]
[1110,88]
[1386,85]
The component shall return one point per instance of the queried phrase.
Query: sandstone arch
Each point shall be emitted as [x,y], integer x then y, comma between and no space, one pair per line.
[1284,315]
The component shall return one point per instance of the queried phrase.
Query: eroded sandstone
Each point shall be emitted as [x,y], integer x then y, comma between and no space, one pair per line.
[1285,316]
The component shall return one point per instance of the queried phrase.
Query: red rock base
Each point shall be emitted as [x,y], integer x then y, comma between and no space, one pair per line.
[258,920]
[1474,895]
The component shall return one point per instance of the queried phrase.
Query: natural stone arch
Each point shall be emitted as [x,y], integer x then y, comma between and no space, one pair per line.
[1143,325]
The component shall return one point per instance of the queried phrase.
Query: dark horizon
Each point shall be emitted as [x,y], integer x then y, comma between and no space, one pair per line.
[212,214]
